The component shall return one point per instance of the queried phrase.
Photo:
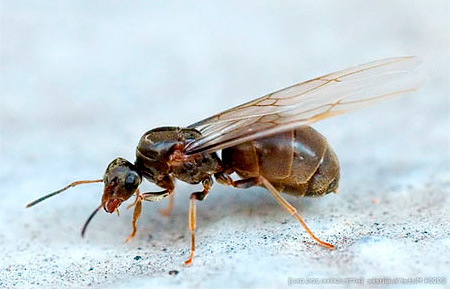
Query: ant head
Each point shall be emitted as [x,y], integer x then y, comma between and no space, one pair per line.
[121,181]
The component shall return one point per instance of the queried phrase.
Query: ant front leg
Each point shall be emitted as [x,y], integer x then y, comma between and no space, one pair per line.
[150,197]
[136,214]
[207,184]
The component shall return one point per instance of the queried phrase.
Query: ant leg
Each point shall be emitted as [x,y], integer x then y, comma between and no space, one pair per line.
[155,196]
[138,193]
[290,209]
[225,179]
[166,212]
[136,214]
[207,184]
[150,197]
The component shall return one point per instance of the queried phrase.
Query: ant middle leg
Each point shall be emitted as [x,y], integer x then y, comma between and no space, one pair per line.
[166,212]
[192,217]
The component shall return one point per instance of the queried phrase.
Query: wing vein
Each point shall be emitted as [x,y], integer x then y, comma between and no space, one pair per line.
[307,102]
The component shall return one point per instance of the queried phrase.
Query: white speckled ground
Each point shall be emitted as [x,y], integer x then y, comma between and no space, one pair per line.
[81,81]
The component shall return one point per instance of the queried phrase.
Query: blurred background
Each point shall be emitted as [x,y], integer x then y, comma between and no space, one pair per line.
[81,81]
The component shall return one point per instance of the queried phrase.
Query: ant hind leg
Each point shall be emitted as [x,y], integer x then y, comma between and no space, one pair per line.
[225,179]
[290,209]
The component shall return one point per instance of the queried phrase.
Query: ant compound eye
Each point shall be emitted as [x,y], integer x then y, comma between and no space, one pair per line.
[132,181]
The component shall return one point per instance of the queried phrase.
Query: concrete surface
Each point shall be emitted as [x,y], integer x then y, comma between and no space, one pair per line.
[82,80]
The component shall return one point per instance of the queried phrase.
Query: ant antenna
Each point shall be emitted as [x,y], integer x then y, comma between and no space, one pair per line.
[89,219]
[62,190]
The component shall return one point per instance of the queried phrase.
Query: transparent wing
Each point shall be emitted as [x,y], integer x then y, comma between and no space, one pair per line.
[307,102]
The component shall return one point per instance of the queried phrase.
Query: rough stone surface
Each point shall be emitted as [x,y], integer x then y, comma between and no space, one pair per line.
[81,81]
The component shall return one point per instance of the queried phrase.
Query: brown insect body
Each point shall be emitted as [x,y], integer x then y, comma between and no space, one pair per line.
[159,156]
[297,162]
[267,142]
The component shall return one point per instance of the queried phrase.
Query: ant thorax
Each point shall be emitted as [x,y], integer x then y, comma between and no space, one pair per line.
[160,153]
